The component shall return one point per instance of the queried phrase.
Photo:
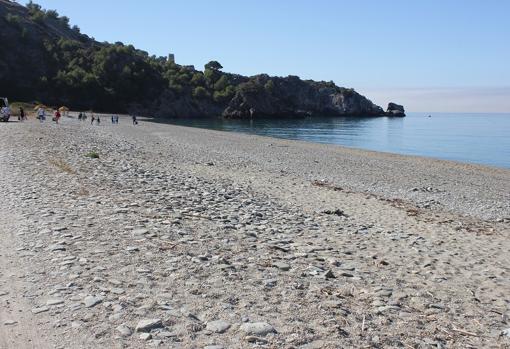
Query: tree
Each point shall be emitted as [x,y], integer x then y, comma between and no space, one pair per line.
[222,83]
[213,65]
[269,86]
[198,79]
[199,92]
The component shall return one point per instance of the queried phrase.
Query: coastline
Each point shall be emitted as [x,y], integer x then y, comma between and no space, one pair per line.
[213,232]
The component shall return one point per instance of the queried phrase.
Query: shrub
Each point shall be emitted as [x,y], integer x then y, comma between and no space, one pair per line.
[13,19]
[199,92]
[221,84]
[92,154]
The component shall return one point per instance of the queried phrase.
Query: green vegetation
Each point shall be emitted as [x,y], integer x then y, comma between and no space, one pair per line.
[92,154]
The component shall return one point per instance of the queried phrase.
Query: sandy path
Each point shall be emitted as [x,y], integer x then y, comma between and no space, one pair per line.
[18,326]
[216,233]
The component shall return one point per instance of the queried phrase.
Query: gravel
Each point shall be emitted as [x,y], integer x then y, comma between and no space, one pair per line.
[251,251]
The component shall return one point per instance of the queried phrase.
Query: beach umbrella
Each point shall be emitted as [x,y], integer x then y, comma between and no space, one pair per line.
[40,106]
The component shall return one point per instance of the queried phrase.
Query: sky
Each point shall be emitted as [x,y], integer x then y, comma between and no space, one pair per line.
[434,55]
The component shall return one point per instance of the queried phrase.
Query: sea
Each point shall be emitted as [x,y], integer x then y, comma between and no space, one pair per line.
[478,138]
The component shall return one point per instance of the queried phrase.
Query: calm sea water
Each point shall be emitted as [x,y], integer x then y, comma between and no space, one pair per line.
[474,138]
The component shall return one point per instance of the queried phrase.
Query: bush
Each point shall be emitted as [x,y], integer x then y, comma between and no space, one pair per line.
[38,17]
[13,19]
[221,84]
[269,86]
[198,79]
[225,95]
[199,92]
[92,154]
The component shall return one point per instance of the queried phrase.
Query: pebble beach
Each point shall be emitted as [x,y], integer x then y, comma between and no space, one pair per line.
[155,235]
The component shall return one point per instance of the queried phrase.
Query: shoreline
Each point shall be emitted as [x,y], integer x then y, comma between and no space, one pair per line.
[375,152]
[284,130]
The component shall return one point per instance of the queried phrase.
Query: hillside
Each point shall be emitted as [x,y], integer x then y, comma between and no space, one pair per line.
[44,59]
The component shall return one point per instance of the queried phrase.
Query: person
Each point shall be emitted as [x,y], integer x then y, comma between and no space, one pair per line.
[116,119]
[135,122]
[22,115]
[80,116]
[92,119]
[113,119]
[98,120]
[41,114]
[57,116]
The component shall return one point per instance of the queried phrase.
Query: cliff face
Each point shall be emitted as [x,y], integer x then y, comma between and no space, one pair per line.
[291,96]
[43,58]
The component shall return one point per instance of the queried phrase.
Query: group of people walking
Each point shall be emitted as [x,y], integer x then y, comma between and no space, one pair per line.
[41,115]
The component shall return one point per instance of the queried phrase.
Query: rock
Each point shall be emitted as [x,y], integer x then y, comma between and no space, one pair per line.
[140,232]
[117,291]
[328,274]
[91,301]
[145,336]
[506,333]
[218,326]
[10,322]
[270,283]
[124,330]
[281,266]
[395,110]
[55,301]
[40,310]
[257,328]
[148,324]
[255,339]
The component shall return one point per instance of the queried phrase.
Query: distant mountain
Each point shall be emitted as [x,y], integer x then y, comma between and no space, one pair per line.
[43,59]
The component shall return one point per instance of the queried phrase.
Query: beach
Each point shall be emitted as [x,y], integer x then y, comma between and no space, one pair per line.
[190,238]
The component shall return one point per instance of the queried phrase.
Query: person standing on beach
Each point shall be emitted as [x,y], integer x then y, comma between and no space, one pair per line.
[92,119]
[135,122]
[113,119]
[22,115]
[41,114]
[57,116]
[98,120]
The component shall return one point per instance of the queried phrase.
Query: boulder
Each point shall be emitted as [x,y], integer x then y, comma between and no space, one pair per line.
[395,110]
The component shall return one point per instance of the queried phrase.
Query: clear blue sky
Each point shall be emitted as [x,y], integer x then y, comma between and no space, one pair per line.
[434,55]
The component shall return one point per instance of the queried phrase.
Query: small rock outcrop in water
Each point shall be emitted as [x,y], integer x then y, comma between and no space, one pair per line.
[395,110]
